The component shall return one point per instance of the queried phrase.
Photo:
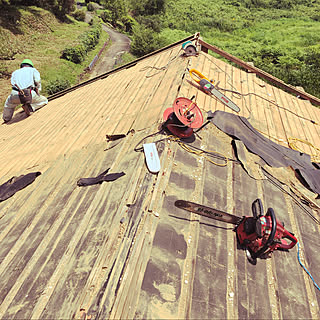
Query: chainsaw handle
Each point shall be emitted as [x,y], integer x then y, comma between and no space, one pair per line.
[270,213]
[257,208]
[260,252]
[288,235]
[197,75]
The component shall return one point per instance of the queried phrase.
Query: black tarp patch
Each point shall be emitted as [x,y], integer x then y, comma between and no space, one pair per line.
[100,178]
[272,153]
[15,184]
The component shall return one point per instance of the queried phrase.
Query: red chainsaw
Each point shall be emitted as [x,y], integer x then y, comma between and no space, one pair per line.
[259,235]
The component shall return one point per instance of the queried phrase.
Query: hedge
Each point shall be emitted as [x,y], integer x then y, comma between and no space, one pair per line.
[86,42]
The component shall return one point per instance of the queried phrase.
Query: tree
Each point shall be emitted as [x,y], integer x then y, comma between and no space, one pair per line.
[65,6]
[60,7]
[117,8]
[145,40]
[148,7]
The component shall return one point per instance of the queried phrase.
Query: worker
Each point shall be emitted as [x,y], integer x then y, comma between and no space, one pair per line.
[26,79]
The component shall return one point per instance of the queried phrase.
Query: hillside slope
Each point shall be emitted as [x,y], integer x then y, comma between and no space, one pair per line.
[280,37]
[31,32]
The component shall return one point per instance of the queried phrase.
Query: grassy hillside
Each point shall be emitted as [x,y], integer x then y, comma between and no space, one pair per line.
[243,30]
[283,41]
[281,37]
[31,32]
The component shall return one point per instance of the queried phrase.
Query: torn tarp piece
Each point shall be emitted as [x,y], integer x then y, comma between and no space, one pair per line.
[113,137]
[310,178]
[272,153]
[15,184]
[104,176]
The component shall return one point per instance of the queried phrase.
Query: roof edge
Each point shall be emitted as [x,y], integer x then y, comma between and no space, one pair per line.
[125,66]
[206,46]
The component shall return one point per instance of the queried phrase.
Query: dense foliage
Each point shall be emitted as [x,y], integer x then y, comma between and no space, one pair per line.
[59,7]
[116,13]
[145,41]
[57,85]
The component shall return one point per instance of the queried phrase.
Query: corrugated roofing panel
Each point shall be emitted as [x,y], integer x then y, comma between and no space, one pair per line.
[122,249]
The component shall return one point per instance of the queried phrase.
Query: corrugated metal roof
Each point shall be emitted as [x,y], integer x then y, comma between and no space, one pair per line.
[122,249]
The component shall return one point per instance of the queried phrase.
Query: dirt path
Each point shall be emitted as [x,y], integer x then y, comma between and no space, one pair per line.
[120,45]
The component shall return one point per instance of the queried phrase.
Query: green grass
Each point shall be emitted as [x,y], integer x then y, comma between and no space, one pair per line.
[278,41]
[125,58]
[233,26]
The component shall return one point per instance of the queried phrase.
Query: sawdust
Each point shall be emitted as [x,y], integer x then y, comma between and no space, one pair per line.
[162,310]
[167,291]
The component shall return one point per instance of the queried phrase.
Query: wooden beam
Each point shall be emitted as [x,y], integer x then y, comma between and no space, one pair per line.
[261,73]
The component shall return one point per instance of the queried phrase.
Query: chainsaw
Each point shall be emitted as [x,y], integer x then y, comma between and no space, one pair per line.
[208,87]
[259,235]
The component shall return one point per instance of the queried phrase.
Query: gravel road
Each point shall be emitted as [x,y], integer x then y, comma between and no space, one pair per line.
[120,44]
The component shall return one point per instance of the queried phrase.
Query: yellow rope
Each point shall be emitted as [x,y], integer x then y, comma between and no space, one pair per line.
[270,137]
[189,107]
[293,145]
[200,152]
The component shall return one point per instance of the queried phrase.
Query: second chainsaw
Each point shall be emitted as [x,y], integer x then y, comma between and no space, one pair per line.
[259,235]
[209,87]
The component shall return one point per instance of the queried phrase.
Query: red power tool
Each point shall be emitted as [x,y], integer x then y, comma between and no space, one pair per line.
[259,235]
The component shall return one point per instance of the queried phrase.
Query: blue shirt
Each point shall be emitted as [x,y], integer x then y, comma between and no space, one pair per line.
[26,77]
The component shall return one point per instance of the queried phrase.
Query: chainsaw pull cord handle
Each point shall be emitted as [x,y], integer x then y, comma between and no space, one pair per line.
[270,213]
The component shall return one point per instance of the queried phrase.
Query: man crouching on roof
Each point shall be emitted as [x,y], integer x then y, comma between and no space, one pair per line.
[26,85]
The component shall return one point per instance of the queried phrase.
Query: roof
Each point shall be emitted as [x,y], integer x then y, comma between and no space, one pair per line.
[121,249]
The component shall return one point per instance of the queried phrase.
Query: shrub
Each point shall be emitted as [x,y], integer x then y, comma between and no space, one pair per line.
[106,16]
[282,4]
[312,56]
[145,41]
[91,38]
[75,54]
[148,7]
[150,22]
[90,6]
[87,41]
[57,85]
[80,15]
[128,22]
